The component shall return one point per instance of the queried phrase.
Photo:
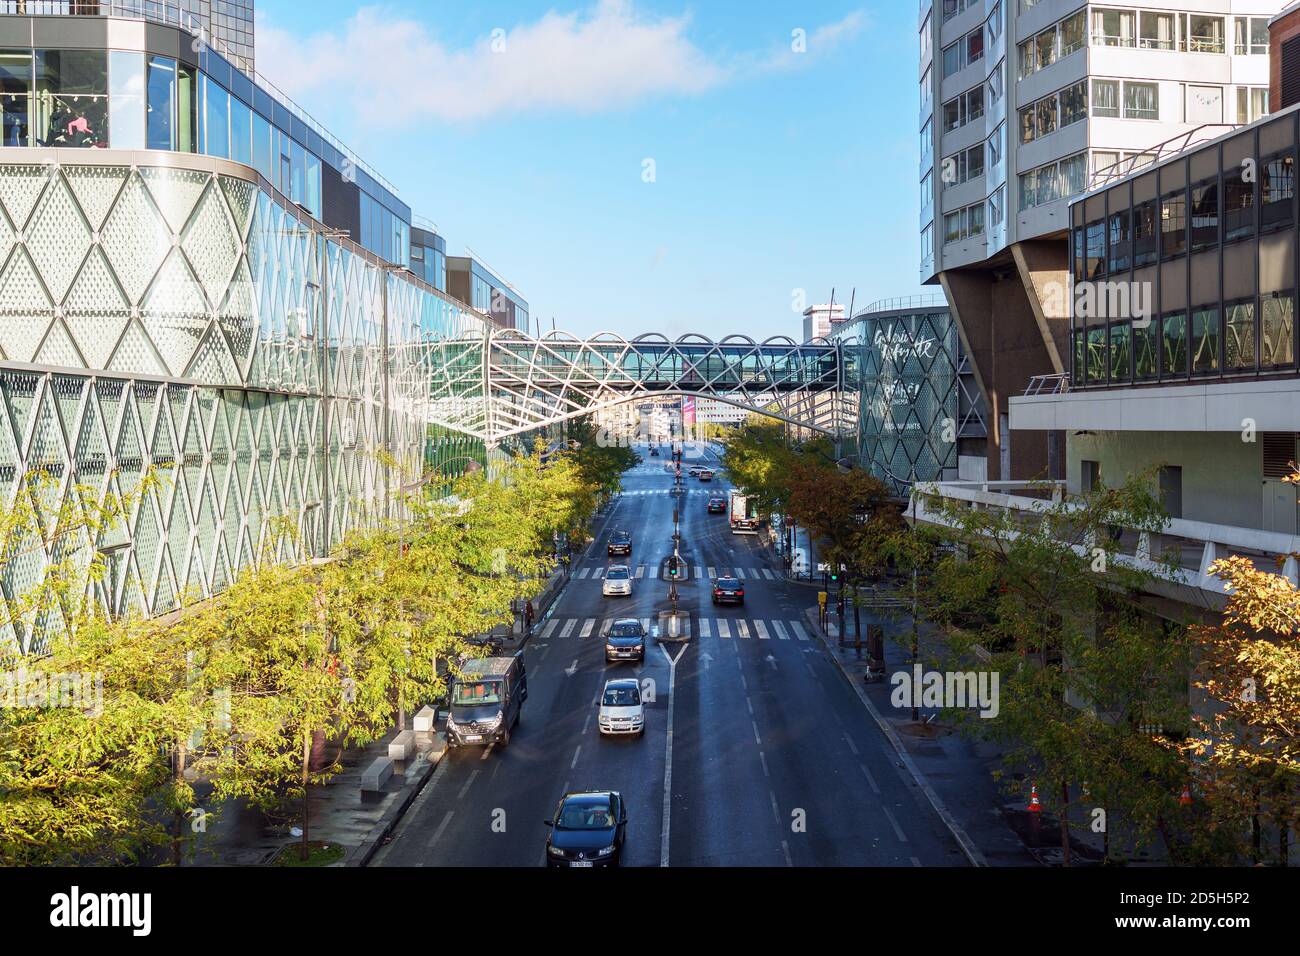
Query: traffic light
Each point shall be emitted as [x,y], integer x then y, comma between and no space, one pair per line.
[835,574]
[673,566]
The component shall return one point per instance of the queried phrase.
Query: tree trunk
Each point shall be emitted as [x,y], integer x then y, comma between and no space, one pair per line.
[308,740]
[178,778]
[1065,822]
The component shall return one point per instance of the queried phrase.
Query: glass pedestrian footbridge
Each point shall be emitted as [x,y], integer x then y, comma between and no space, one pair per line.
[504,382]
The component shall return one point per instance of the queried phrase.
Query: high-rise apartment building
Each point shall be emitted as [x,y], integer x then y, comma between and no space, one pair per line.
[1024,104]
[819,321]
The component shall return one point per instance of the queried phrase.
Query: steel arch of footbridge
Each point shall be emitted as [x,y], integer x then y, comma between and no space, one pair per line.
[504,383]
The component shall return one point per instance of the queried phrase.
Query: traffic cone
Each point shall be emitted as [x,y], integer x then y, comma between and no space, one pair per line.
[1034,805]
[1185,798]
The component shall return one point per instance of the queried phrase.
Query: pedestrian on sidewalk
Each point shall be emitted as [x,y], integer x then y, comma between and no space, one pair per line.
[528,618]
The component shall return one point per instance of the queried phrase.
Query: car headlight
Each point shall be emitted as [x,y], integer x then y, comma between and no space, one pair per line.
[605,851]
[611,647]
[554,851]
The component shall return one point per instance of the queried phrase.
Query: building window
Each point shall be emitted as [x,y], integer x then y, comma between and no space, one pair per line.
[15,96]
[1119,242]
[1045,48]
[216,119]
[1277,330]
[1144,351]
[1174,330]
[927,143]
[1157,31]
[1105,98]
[1205,340]
[1119,353]
[1252,103]
[960,110]
[71,100]
[1026,55]
[1250,36]
[1045,113]
[1095,237]
[1098,355]
[994,145]
[1238,205]
[1113,27]
[997,206]
[1141,100]
[967,50]
[1074,31]
[1277,191]
[1074,103]
[1239,336]
[1205,215]
[997,83]
[1144,234]
[1204,34]
[126,99]
[1173,225]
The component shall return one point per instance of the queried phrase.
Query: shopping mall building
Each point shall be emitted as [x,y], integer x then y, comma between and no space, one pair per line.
[197,280]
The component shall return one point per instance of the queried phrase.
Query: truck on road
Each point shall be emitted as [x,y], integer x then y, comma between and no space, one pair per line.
[743,512]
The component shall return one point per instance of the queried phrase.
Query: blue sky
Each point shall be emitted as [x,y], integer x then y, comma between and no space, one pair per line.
[524,129]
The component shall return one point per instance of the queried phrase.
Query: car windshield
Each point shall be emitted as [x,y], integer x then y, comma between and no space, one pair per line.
[476,693]
[585,816]
[625,630]
[728,585]
[617,574]
[622,537]
[622,697]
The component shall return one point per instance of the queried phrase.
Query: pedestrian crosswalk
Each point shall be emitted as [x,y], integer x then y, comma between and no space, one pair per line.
[696,573]
[719,628]
[651,492]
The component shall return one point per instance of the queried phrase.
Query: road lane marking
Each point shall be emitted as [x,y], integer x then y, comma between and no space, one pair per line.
[550,626]
[762,758]
[785,848]
[852,746]
[780,631]
[568,627]
[586,724]
[468,783]
[870,779]
[668,755]
[742,629]
[574,762]
[654,570]
[588,627]
[724,629]
[740,573]
[437,834]
[582,573]
[761,629]
[704,627]
[898,831]
[640,570]
[776,811]
[799,632]
[645,623]
[767,573]
[757,739]
[713,573]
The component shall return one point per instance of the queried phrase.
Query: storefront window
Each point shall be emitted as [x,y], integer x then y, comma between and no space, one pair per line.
[161,115]
[16,96]
[126,99]
[71,98]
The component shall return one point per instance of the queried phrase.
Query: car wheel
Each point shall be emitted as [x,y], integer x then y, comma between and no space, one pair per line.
[505,738]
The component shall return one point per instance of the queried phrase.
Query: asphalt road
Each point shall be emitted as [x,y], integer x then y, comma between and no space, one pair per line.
[772,760]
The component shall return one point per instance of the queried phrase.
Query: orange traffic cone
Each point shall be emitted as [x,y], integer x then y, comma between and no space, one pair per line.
[1185,798]
[1034,805]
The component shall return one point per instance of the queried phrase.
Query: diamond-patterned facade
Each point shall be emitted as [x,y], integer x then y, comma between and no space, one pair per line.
[184,320]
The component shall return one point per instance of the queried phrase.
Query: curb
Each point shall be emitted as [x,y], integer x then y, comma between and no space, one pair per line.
[363,854]
[963,839]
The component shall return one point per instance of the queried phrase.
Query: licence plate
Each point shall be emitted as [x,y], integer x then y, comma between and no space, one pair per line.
[586,863]
[470,737]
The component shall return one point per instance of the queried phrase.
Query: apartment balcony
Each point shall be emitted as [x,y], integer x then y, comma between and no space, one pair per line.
[1179,557]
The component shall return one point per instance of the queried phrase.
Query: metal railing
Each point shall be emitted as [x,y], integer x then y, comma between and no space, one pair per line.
[1182,552]
[900,303]
[1055,384]
[1161,151]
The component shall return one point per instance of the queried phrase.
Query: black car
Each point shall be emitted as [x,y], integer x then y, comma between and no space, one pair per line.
[654,452]
[625,641]
[587,830]
[717,506]
[728,591]
[620,544]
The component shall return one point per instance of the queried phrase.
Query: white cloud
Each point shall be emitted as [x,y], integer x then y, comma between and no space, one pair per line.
[603,59]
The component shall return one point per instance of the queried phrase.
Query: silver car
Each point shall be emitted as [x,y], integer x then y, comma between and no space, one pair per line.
[618,581]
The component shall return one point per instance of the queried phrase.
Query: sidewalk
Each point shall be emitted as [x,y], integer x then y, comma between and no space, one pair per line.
[958,769]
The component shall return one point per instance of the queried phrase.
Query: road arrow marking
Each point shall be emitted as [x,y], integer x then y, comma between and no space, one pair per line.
[572,668]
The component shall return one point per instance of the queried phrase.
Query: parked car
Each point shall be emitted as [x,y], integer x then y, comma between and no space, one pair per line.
[486,701]
[618,581]
[620,544]
[588,830]
[728,591]
[625,641]
[621,711]
[717,506]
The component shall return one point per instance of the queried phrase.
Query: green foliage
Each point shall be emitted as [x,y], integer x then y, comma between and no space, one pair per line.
[600,464]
